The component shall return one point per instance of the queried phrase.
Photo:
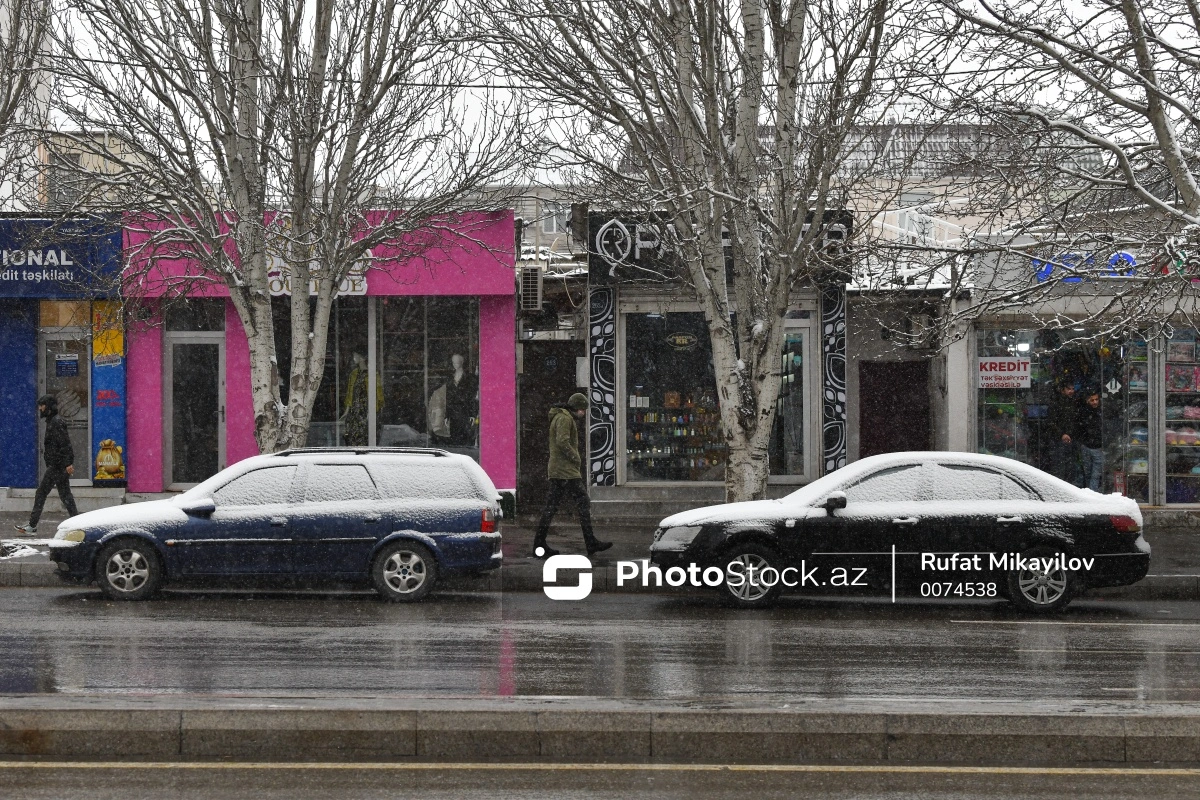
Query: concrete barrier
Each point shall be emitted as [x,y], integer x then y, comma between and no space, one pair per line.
[577,730]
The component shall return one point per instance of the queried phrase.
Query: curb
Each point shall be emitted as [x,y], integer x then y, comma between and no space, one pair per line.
[579,730]
[38,571]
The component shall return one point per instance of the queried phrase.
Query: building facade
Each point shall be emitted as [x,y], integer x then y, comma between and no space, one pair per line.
[61,334]
[421,353]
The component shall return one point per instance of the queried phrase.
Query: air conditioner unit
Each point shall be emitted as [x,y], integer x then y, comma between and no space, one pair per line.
[531,288]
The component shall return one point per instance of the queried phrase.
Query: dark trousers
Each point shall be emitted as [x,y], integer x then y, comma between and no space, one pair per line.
[55,478]
[576,489]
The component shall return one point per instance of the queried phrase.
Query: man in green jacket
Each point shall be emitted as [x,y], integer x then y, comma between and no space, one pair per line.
[566,477]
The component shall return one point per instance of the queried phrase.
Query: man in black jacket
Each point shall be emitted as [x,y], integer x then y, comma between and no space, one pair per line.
[1064,451]
[60,463]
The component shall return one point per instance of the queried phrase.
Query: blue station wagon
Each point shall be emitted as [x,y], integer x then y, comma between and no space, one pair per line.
[395,517]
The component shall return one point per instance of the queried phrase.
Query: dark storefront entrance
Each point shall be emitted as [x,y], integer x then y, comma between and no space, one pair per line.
[894,413]
[548,377]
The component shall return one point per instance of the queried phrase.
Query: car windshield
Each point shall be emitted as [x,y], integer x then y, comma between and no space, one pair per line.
[814,492]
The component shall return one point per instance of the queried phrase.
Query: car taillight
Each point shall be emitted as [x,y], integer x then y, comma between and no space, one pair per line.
[1125,524]
[487,521]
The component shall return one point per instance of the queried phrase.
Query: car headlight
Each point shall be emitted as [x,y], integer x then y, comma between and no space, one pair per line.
[677,538]
[75,535]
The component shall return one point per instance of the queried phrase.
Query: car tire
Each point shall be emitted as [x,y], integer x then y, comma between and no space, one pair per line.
[128,569]
[404,572]
[749,595]
[1040,592]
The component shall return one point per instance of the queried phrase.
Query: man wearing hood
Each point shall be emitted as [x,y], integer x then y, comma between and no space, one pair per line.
[566,477]
[60,460]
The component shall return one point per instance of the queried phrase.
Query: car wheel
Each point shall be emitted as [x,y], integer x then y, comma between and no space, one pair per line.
[1037,590]
[752,594]
[128,569]
[404,572]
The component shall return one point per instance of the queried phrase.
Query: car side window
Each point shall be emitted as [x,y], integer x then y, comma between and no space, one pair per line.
[258,488]
[331,483]
[965,483]
[413,482]
[889,485]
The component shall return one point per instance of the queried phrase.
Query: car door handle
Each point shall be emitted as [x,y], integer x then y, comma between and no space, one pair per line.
[372,518]
[1008,520]
[277,522]
[905,521]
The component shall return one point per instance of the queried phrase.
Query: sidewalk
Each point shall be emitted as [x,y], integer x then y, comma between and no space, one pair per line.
[1174,568]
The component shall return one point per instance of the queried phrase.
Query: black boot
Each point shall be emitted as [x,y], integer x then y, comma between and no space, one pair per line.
[540,548]
[597,546]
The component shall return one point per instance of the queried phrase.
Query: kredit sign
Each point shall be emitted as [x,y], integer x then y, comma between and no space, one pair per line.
[1003,372]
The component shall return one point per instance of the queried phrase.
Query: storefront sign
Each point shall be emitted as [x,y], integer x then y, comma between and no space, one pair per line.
[279,280]
[640,247]
[58,258]
[682,341]
[1003,373]
[1075,267]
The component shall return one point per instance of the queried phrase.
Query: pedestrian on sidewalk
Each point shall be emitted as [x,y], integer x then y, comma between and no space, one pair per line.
[1063,419]
[565,471]
[60,463]
[1089,432]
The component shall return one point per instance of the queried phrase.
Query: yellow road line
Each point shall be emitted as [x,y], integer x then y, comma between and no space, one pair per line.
[566,767]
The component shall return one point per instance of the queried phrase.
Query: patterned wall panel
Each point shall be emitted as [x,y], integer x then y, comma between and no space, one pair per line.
[602,415]
[833,378]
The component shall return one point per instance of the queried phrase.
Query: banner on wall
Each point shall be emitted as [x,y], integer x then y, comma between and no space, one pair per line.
[59,258]
[1006,372]
[108,395]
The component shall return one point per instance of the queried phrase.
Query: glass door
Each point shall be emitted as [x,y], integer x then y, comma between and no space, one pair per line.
[194,423]
[66,374]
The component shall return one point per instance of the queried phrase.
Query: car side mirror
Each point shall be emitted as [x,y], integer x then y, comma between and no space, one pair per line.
[834,501]
[201,507]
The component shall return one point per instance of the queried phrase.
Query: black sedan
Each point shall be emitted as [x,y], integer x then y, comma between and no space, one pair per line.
[939,524]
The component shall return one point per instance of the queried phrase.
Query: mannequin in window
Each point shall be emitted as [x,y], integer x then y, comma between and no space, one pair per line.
[462,403]
[354,408]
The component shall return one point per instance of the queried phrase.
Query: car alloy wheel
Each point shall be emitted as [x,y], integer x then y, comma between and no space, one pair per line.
[753,560]
[1039,589]
[128,570]
[404,571]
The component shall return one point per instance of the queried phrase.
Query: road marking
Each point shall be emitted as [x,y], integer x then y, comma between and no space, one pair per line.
[1089,651]
[1068,622]
[543,767]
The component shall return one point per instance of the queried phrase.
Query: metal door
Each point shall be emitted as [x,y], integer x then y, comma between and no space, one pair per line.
[194,407]
[66,373]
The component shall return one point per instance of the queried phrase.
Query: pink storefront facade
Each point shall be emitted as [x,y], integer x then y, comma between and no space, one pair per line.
[422,353]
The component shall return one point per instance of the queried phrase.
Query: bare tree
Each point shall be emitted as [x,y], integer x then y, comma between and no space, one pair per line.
[1087,160]
[726,117]
[255,131]
[23,34]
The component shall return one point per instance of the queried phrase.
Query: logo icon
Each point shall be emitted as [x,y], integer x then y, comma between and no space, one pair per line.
[550,575]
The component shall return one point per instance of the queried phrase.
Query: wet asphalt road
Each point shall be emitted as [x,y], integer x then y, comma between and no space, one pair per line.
[480,782]
[74,641]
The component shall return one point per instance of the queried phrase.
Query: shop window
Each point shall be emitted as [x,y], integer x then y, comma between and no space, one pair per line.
[193,314]
[1034,388]
[428,355]
[332,424]
[674,425]
[787,440]
[1182,428]
[64,313]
